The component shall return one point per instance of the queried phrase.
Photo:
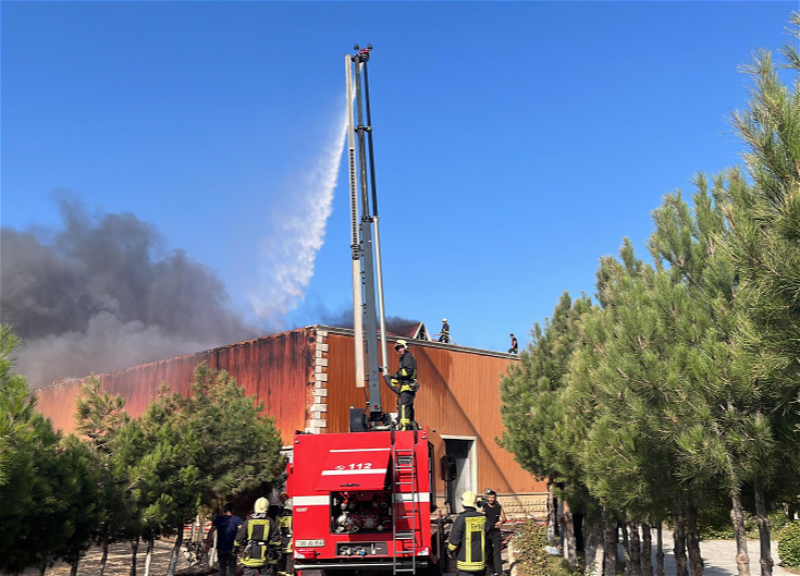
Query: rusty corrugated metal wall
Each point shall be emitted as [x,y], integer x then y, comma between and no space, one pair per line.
[278,369]
[306,380]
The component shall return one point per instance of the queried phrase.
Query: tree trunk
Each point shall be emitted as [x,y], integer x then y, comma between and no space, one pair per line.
[679,537]
[104,557]
[73,567]
[660,550]
[693,540]
[173,561]
[737,516]
[577,522]
[626,550]
[635,568]
[552,518]
[647,549]
[763,528]
[42,568]
[134,550]
[570,549]
[148,557]
[609,544]
[593,549]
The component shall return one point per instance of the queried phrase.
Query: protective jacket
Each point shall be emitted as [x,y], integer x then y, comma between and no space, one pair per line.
[406,375]
[285,527]
[286,562]
[404,384]
[467,540]
[261,539]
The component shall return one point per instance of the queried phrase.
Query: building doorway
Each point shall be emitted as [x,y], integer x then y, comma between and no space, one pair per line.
[464,452]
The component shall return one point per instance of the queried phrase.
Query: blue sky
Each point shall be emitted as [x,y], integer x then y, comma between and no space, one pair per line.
[515,142]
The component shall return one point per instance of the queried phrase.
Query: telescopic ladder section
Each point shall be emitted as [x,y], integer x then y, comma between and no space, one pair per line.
[405,496]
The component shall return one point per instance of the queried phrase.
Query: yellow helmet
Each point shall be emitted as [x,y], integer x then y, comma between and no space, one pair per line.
[401,343]
[468,498]
[261,505]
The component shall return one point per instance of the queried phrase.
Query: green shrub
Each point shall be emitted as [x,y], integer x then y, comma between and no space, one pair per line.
[529,543]
[532,560]
[719,527]
[789,544]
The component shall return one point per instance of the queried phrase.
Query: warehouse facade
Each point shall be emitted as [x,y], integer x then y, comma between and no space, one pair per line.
[307,382]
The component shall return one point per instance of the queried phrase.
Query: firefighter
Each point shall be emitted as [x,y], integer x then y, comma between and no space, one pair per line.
[467,540]
[286,562]
[404,384]
[261,540]
[514,346]
[444,336]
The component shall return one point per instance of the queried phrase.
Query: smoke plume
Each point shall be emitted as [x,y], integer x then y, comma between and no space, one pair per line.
[99,295]
[297,223]
[395,325]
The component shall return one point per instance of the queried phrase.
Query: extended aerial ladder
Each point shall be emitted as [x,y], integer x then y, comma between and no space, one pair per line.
[365,245]
[363,499]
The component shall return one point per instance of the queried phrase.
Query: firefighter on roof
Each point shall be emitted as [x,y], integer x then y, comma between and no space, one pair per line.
[261,540]
[468,538]
[444,335]
[404,384]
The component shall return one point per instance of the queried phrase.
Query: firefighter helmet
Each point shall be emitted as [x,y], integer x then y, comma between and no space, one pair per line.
[261,505]
[468,498]
[444,319]
[401,344]
[288,505]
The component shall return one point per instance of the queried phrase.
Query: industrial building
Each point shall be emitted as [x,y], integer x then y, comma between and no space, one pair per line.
[306,380]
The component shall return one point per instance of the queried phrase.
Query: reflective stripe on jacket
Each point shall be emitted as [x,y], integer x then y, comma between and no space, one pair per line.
[469,538]
[258,535]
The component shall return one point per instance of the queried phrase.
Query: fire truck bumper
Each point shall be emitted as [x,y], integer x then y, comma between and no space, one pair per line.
[349,565]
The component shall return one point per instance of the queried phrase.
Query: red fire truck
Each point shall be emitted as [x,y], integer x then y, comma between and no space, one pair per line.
[363,500]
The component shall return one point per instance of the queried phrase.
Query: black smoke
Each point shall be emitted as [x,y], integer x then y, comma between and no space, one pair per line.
[101,294]
[395,325]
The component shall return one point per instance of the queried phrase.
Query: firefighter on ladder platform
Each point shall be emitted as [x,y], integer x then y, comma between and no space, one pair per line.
[404,384]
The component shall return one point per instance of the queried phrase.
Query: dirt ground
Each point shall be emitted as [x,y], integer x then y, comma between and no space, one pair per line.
[119,562]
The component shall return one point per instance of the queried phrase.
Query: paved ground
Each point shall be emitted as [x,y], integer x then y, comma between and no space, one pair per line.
[720,558]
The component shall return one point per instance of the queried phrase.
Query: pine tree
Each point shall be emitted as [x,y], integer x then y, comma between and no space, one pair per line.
[764,218]
[99,417]
[45,486]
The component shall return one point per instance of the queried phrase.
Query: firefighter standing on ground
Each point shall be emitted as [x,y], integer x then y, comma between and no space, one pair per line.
[404,384]
[467,540]
[261,540]
[286,562]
